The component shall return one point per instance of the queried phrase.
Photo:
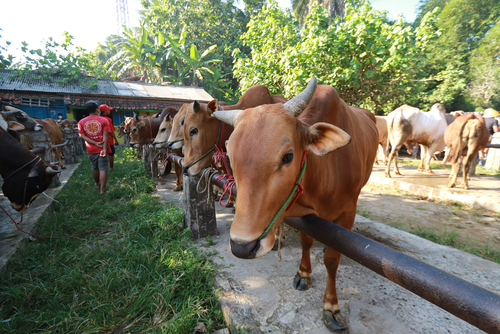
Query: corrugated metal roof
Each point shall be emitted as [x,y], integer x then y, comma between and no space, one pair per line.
[9,81]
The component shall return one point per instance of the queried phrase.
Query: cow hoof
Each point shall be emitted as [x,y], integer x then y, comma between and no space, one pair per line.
[397,173]
[334,322]
[63,167]
[387,174]
[178,189]
[301,283]
[451,185]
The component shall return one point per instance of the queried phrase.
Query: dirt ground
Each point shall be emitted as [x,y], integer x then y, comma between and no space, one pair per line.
[476,227]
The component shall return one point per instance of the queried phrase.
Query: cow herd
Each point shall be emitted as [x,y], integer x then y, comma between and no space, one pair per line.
[309,155]
[435,131]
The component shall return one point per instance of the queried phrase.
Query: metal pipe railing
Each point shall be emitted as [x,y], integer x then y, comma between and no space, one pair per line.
[469,302]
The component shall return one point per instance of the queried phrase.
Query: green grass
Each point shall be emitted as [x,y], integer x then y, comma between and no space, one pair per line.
[448,238]
[143,274]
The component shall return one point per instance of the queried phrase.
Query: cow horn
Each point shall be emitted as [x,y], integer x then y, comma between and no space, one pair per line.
[49,170]
[8,113]
[135,117]
[227,116]
[297,104]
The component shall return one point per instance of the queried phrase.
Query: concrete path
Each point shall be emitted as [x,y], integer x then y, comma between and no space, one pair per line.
[258,295]
[484,190]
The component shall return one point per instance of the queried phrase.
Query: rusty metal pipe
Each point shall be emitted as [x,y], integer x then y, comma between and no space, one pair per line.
[493,146]
[38,150]
[469,302]
[59,145]
[176,159]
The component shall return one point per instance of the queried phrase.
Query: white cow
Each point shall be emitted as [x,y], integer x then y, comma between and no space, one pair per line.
[409,124]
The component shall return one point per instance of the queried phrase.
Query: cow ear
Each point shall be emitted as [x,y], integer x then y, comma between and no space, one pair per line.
[196,106]
[33,173]
[213,106]
[13,125]
[141,124]
[325,138]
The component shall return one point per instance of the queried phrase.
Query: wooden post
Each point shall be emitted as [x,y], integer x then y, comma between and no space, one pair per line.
[199,215]
[69,154]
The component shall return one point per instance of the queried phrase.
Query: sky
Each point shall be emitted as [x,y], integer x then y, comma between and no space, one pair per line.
[91,21]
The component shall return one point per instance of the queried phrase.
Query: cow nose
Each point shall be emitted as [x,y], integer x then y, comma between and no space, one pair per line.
[169,145]
[154,144]
[246,250]
[185,171]
[132,145]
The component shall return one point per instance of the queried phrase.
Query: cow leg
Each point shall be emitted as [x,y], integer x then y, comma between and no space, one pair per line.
[394,151]
[302,280]
[59,156]
[423,157]
[178,178]
[332,318]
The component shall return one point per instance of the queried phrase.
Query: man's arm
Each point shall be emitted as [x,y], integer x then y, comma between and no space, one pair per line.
[105,142]
[91,141]
[115,139]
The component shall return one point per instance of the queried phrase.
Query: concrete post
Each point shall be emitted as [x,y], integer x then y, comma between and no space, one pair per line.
[69,155]
[77,143]
[42,139]
[199,216]
[493,159]
[146,157]
[154,162]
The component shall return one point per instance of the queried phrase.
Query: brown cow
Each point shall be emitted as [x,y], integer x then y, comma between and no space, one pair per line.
[272,146]
[66,123]
[466,136]
[383,141]
[161,142]
[55,135]
[143,130]
[201,129]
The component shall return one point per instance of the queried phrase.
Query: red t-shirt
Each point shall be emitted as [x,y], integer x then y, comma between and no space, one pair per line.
[94,128]
[112,129]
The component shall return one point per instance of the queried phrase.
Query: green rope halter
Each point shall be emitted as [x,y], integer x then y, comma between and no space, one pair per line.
[285,205]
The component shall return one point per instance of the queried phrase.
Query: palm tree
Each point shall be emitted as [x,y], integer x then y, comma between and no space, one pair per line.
[303,7]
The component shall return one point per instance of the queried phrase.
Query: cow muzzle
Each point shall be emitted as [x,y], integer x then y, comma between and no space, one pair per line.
[245,250]
[38,127]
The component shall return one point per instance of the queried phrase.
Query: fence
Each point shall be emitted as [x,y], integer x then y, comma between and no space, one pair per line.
[477,306]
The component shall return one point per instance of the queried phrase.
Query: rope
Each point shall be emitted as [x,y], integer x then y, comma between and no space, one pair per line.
[45,236]
[228,186]
[206,175]
[298,185]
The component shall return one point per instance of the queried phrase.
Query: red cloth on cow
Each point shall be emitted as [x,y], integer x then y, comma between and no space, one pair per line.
[94,128]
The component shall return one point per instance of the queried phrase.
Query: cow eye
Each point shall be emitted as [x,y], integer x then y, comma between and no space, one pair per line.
[182,122]
[287,158]
[193,131]
[163,130]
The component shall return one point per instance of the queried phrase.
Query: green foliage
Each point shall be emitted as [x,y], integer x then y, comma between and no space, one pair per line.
[58,61]
[371,62]
[462,66]
[141,271]
[5,60]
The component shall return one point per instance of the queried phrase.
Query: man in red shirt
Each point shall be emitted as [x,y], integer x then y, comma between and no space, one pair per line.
[104,109]
[95,130]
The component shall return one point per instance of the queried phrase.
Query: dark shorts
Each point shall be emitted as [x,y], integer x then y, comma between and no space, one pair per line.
[99,163]
[112,147]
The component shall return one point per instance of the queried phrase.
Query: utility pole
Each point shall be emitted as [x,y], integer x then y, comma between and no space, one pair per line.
[122,15]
